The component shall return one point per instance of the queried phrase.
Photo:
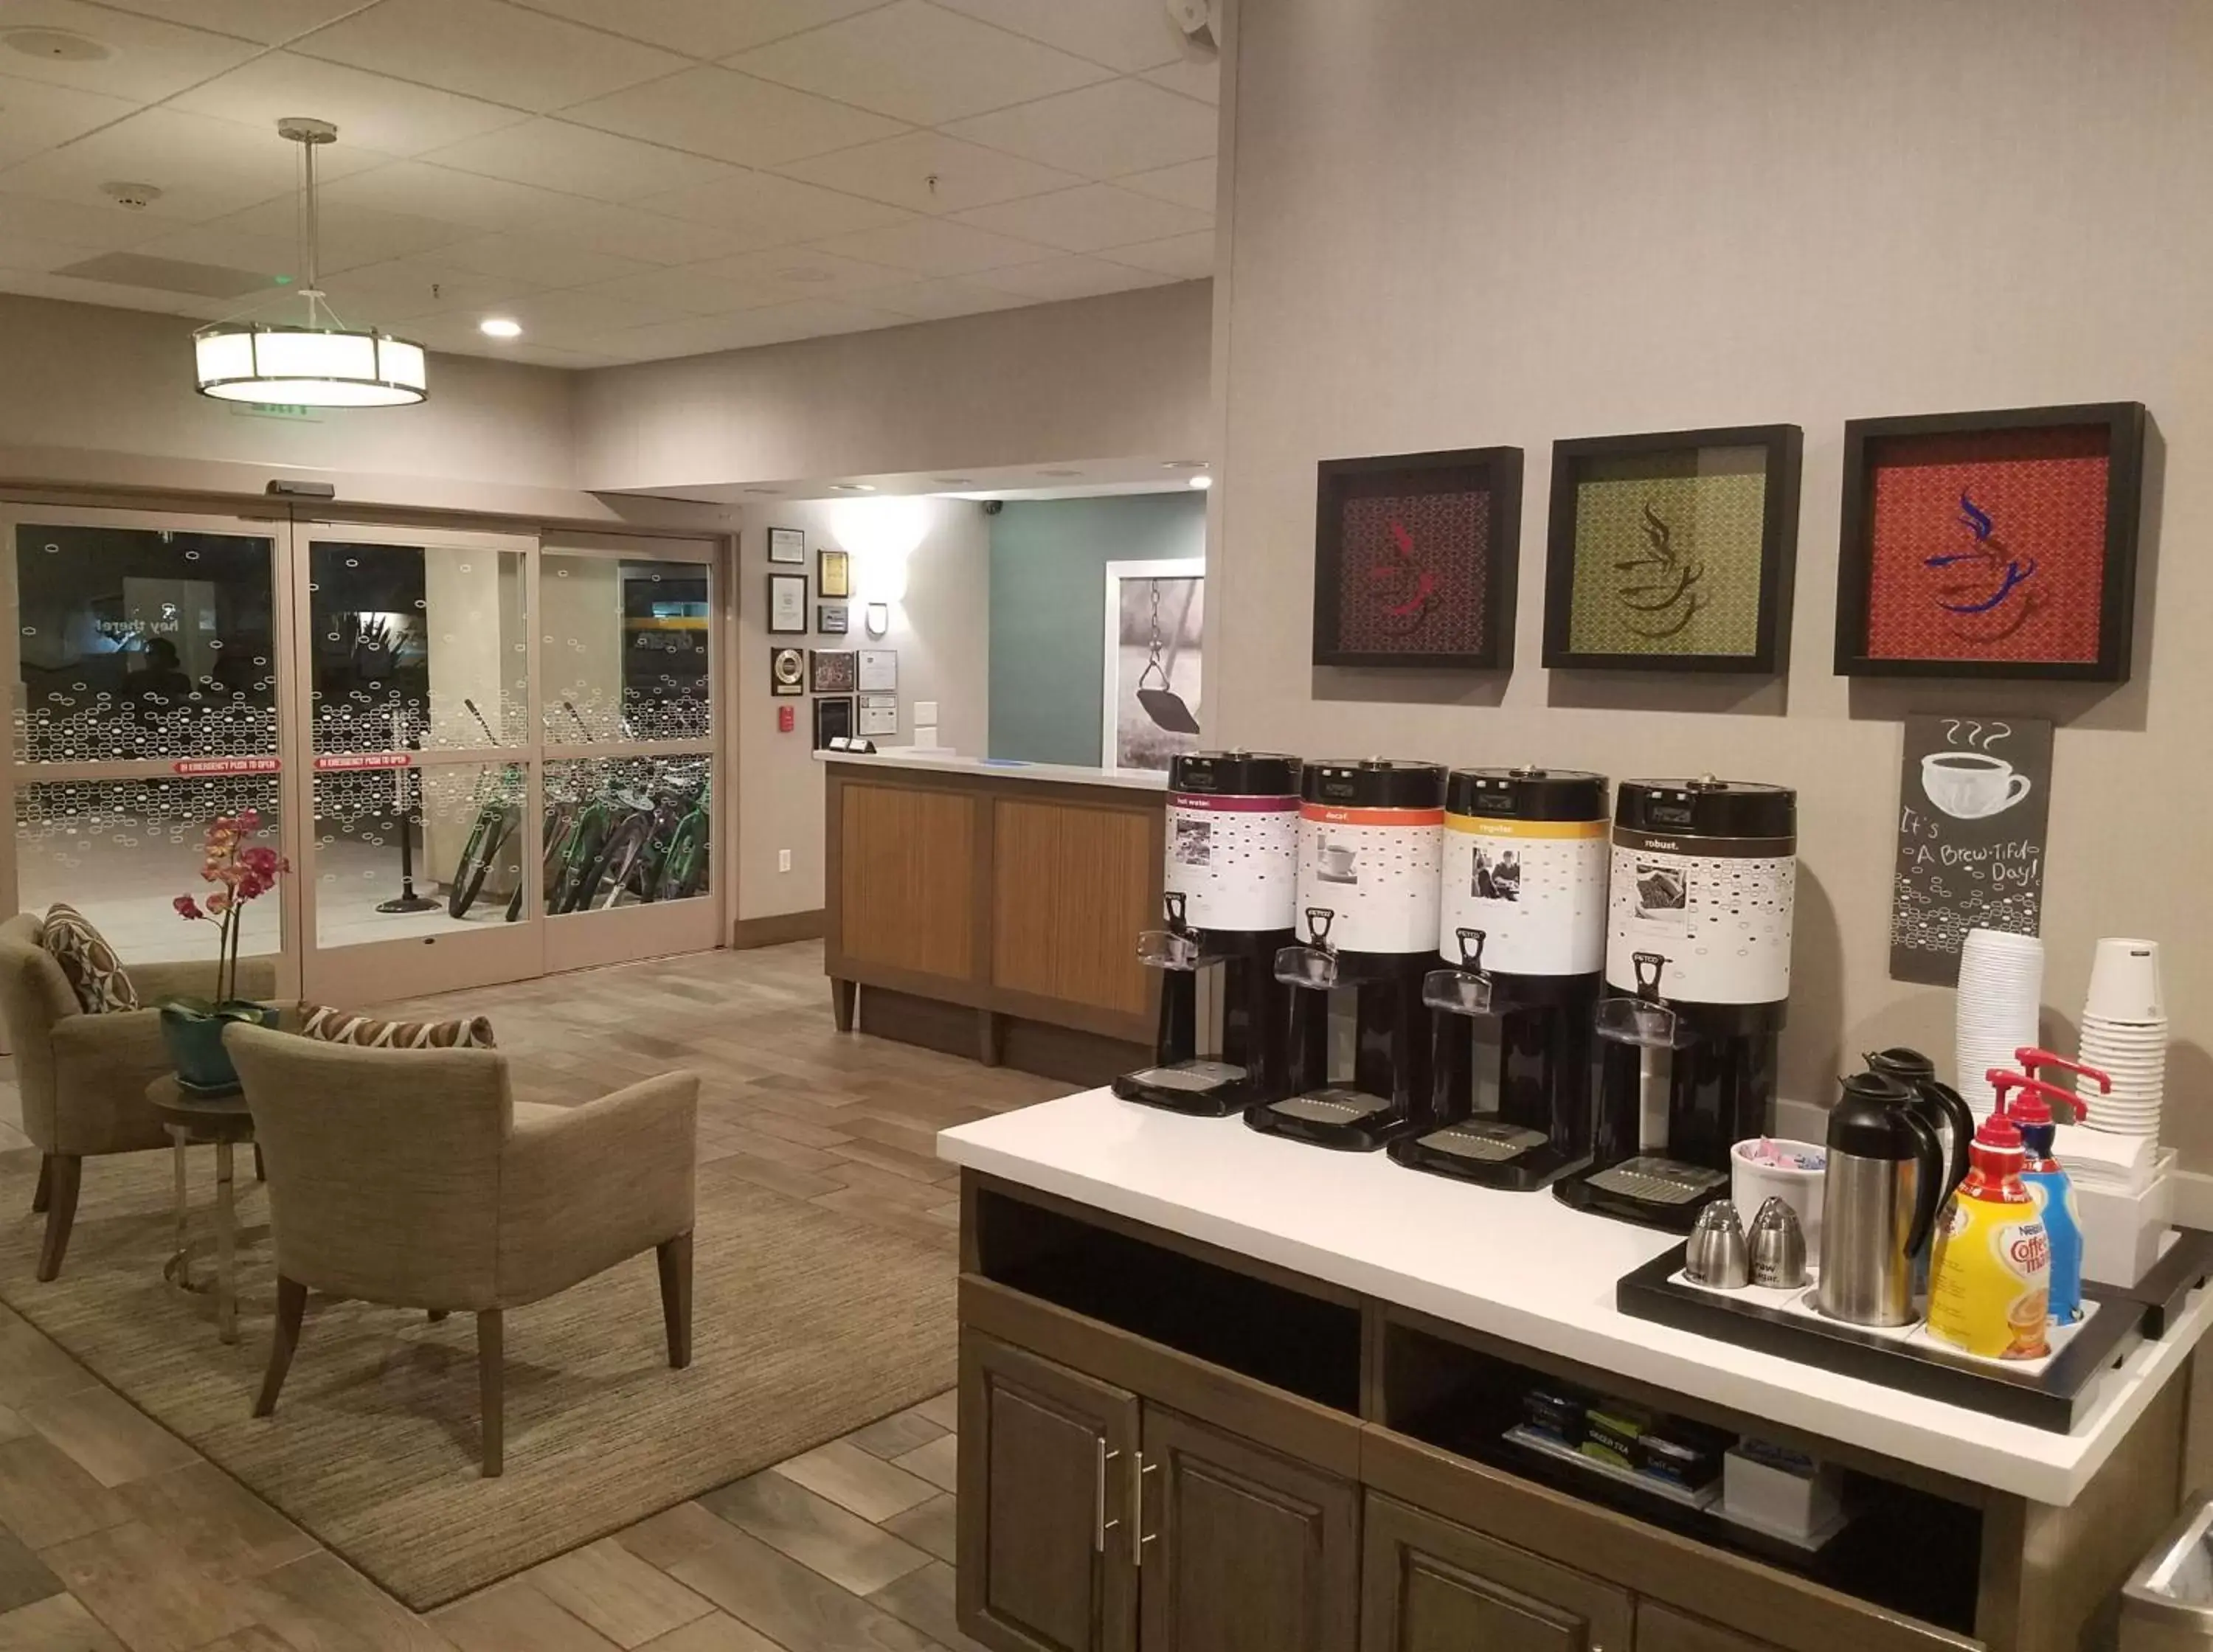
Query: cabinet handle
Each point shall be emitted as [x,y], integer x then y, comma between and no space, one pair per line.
[1100,1524]
[1138,1536]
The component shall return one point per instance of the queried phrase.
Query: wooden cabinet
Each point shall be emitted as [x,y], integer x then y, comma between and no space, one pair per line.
[1046,1461]
[1242,1550]
[1662,1629]
[1430,1586]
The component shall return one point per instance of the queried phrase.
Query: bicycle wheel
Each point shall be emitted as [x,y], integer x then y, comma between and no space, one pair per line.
[618,861]
[477,855]
[570,881]
[684,868]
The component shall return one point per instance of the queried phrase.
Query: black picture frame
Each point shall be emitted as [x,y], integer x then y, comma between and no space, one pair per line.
[832,671]
[1783,446]
[779,588]
[833,572]
[833,717]
[1865,440]
[832,619]
[788,546]
[1496,471]
[787,672]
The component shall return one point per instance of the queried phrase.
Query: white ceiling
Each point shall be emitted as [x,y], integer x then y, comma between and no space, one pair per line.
[629,179]
[1073,480]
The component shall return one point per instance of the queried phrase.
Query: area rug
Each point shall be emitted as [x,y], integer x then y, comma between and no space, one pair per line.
[807,1325]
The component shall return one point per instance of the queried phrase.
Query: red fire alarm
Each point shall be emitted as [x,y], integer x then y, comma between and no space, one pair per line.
[786,720]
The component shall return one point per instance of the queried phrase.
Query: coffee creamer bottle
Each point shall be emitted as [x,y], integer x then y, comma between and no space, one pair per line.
[1990,1287]
[2046,1179]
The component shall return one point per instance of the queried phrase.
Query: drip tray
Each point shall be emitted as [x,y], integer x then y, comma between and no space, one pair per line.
[1484,1144]
[1196,1078]
[1651,1179]
[1332,1106]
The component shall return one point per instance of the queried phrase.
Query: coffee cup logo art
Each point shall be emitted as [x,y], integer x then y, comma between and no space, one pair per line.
[1985,589]
[1971,785]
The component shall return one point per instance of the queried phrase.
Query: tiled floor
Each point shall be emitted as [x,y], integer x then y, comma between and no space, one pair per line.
[114,1534]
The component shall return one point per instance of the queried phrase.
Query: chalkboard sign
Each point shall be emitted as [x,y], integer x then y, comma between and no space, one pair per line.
[1974,795]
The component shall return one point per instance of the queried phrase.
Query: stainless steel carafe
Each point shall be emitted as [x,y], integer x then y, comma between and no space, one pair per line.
[1879,1201]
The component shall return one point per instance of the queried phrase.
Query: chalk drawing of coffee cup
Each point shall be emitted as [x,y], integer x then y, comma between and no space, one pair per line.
[1972,786]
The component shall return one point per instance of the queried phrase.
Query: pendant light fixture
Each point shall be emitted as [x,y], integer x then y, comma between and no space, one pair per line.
[311,360]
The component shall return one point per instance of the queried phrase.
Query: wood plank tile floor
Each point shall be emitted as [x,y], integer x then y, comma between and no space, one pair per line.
[115,1535]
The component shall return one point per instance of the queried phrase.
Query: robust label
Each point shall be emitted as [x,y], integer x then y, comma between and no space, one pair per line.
[1235,861]
[1717,912]
[1367,877]
[1990,1285]
[1534,891]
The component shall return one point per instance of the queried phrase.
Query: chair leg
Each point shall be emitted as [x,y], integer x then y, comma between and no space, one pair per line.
[67,1172]
[492,1389]
[674,1257]
[43,1193]
[292,1308]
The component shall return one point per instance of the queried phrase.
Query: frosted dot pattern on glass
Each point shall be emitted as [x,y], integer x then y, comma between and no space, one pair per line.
[1722,922]
[1379,884]
[624,649]
[1236,866]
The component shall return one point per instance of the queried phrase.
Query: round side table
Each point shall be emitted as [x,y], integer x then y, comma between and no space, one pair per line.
[225,1121]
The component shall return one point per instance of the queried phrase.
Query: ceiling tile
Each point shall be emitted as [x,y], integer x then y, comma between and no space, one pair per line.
[941,300]
[899,169]
[1123,34]
[1086,219]
[696,288]
[1069,277]
[917,62]
[796,273]
[149,58]
[76,290]
[373,110]
[35,115]
[703,28]
[1101,131]
[762,210]
[487,48]
[409,289]
[1191,183]
[806,318]
[645,236]
[476,203]
[933,247]
[544,264]
[102,228]
[1202,81]
[576,312]
[348,236]
[22,252]
[733,117]
[1187,257]
[271,22]
[204,168]
[555,154]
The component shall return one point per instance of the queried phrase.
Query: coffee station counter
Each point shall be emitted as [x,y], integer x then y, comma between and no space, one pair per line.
[1329,1317]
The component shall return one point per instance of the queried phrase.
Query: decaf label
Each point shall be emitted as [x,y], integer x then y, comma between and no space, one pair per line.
[1974,794]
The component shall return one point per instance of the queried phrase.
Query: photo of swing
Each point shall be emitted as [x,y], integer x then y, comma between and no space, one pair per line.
[1154,619]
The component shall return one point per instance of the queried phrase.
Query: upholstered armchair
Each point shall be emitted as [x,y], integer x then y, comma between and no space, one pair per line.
[83,1076]
[413,1178]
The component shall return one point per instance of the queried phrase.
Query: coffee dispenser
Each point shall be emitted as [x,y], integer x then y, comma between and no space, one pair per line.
[1697,978]
[1522,924]
[1228,892]
[1369,848]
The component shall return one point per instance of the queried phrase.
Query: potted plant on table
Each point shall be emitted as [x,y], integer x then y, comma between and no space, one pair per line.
[243,870]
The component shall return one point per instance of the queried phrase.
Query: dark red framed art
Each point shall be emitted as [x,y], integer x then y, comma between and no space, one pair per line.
[1991,544]
[1414,559]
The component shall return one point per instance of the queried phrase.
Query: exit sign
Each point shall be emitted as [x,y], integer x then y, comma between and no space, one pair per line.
[276,410]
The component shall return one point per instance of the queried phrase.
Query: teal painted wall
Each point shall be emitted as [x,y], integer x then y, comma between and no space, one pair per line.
[1049,561]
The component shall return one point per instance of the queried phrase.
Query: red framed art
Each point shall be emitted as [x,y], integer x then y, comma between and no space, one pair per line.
[1414,559]
[1991,544]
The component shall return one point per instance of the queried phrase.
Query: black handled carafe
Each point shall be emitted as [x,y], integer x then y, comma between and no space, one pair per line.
[1879,1201]
[1943,1109]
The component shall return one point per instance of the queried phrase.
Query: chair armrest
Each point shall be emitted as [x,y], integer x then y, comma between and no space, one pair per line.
[257,979]
[102,1065]
[586,1188]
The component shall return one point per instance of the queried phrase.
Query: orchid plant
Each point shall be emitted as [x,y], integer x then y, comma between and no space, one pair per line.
[244,870]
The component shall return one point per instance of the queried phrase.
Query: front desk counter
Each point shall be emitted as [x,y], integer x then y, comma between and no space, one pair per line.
[1221,1392]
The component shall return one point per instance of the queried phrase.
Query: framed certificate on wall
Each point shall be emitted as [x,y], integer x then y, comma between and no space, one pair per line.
[787,605]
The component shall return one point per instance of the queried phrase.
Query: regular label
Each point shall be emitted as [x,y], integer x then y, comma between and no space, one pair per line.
[1532,892]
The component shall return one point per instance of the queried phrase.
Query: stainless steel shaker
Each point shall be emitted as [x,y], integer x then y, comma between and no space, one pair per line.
[1779,1246]
[1716,1255]
[1879,1201]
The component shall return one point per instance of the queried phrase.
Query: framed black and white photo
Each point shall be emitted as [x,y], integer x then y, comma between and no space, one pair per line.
[830,618]
[788,546]
[833,719]
[1154,619]
[787,605]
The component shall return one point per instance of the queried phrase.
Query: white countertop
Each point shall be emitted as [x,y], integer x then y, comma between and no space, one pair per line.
[1064,774]
[1521,1266]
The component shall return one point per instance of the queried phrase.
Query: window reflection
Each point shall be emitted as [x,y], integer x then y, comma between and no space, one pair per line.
[625,649]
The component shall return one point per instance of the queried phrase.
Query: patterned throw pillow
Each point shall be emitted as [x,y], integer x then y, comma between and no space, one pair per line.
[339,1027]
[94,972]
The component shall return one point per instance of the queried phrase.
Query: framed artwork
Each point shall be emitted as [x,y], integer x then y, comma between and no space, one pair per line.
[1155,618]
[1414,559]
[831,670]
[787,605]
[1991,544]
[1673,551]
[788,545]
[833,573]
[787,672]
[830,618]
[833,719]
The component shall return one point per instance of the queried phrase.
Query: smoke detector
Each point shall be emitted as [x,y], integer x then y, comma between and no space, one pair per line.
[135,198]
[57,44]
[1197,25]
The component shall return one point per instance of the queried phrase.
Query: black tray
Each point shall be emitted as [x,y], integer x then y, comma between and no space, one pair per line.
[2050,1398]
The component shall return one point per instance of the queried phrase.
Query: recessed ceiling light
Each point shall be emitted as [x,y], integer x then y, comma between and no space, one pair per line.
[771,492]
[1060,472]
[500,327]
[58,44]
[1202,481]
[1183,465]
[955,481]
[852,487]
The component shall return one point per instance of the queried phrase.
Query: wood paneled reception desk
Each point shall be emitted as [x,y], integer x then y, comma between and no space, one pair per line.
[993,909]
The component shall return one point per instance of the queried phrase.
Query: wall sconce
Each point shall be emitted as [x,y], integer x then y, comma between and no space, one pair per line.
[878,617]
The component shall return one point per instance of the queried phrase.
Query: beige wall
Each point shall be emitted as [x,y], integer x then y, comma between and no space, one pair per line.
[1120,376]
[941,632]
[1460,222]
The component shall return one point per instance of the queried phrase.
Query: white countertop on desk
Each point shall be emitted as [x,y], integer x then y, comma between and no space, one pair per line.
[1064,774]
[1519,1267]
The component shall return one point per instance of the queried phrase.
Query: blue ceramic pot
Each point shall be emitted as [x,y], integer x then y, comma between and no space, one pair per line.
[193,1033]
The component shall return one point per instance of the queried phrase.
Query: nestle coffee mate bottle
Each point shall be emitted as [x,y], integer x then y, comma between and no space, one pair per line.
[2047,1178]
[1990,1287]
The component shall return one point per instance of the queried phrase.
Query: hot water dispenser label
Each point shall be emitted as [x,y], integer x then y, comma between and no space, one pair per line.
[1536,889]
[1367,877]
[1717,910]
[1235,861]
